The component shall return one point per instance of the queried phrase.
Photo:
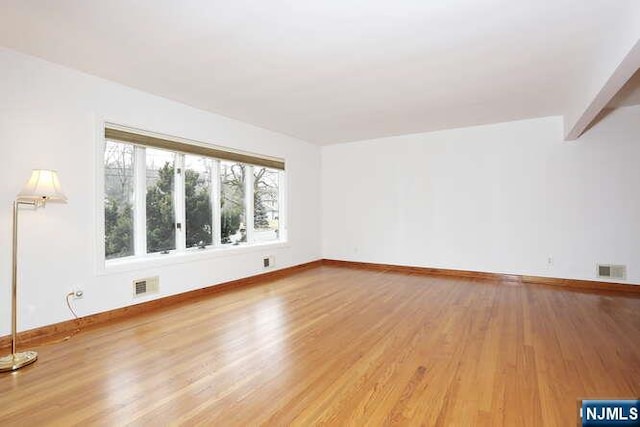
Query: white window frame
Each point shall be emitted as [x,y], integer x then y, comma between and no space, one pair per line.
[141,259]
[140,203]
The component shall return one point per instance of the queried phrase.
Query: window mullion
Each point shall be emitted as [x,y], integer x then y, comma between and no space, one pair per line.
[149,198]
[180,203]
[215,202]
[249,201]
[282,206]
[140,196]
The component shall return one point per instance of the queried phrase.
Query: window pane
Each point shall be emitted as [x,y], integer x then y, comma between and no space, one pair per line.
[232,203]
[161,232]
[118,204]
[197,190]
[265,204]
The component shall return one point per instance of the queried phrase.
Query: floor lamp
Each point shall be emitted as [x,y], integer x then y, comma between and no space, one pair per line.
[42,187]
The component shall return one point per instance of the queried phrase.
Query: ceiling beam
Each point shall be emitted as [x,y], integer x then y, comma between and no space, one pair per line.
[623,72]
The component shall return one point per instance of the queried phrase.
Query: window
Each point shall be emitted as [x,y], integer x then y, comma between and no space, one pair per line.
[233,213]
[159,200]
[198,173]
[265,204]
[119,169]
[160,204]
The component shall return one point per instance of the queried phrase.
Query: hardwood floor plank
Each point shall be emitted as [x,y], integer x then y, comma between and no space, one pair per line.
[341,346]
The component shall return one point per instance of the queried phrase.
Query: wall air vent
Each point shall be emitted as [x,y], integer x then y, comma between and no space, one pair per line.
[142,287]
[268,261]
[609,271]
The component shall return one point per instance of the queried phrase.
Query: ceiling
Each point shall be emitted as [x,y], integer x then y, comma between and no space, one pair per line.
[332,71]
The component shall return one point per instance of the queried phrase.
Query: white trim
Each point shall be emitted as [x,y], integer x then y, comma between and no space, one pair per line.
[248,202]
[283,205]
[141,259]
[216,229]
[119,265]
[179,202]
[98,170]
[140,201]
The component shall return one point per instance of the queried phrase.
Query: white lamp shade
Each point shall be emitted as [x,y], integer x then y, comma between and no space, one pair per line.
[43,185]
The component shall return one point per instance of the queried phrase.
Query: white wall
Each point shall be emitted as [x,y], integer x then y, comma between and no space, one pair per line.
[498,198]
[49,118]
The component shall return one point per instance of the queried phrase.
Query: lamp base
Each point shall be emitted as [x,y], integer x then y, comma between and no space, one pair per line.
[16,361]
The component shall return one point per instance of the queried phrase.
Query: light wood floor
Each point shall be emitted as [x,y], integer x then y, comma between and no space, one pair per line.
[341,346]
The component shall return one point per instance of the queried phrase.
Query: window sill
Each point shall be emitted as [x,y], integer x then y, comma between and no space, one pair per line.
[190,255]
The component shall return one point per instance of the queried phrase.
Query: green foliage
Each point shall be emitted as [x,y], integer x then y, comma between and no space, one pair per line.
[260,219]
[118,224]
[160,211]
[232,211]
[265,190]
[198,210]
[161,233]
[230,223]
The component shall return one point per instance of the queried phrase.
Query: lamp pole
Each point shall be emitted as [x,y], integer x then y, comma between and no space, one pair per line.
[43,186]
[14,279]
[16,360]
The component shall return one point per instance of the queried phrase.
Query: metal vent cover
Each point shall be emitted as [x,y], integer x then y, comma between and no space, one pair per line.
[141,287]
[611,271]
[146,286]
[268,261]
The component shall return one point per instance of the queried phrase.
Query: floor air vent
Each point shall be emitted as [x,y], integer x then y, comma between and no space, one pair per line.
[608,271]
[146,286]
